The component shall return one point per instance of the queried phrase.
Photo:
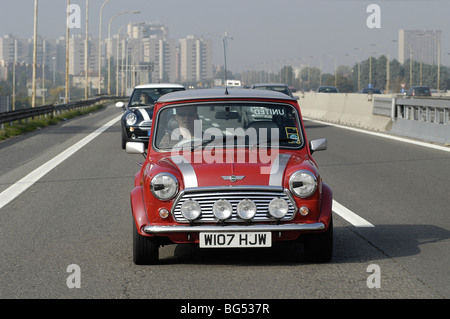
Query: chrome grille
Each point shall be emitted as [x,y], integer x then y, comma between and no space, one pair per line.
[208,196]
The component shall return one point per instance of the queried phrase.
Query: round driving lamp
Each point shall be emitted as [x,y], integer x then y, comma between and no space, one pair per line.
[278,208]
[190,210]
[222,209]
[164,186]
[303,183]
[131,119]
[246,209]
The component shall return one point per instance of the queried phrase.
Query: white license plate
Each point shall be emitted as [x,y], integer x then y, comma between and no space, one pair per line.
[237,239]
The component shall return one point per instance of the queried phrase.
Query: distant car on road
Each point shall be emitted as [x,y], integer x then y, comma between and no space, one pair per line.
[371,91]
[137,118]
[327,89]
[419,91]
[277,87]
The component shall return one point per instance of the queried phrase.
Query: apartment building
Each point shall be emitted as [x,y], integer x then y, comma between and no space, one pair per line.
[196,55]
[77,60]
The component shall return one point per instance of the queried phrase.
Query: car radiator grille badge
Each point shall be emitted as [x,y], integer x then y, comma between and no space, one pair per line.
[233,178]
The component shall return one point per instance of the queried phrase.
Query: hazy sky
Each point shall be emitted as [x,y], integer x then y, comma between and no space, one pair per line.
[263,31]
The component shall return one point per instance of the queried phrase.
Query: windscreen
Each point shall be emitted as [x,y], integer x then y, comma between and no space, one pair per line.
[148,96]
[228,125]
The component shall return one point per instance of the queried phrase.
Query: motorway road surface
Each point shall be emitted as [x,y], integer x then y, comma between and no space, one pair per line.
[79,213]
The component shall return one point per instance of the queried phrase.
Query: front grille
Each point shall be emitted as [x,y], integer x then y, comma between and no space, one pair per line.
[206,197]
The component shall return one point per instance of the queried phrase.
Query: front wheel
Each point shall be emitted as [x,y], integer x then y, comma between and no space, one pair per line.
[319,247]
[124,139]
[145,249]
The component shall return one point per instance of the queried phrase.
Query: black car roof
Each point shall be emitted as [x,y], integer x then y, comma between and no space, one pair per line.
[233,93]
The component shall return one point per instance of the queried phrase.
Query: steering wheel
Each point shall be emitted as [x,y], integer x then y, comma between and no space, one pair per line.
[185,141]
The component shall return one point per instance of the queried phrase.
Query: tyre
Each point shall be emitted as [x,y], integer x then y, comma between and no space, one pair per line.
[145,249]
[319,247]
[124,140]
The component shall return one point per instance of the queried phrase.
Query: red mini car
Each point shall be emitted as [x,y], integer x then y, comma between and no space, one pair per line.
[229,169]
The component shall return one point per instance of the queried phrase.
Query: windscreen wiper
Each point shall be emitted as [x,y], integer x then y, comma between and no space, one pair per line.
[204,143]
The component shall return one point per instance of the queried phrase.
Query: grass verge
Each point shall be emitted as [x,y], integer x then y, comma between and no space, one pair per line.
[21,127]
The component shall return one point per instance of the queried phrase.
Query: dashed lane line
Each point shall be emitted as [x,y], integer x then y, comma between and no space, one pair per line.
[350,216]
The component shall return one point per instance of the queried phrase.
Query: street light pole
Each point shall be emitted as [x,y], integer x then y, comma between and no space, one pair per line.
[359,69]
[86,53]
[100,49]
[67,54]
[118,53]
[14,77]
[117,59]
[33,96]
[335,68]
[109,45]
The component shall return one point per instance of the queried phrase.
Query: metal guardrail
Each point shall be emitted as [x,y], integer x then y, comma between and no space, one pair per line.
[419,117]
[11,116]
[435,110]
[432,110]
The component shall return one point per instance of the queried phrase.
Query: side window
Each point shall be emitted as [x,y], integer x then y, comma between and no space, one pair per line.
[166,123]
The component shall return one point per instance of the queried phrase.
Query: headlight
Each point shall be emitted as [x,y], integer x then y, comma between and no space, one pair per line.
[278,208]
[246,209]
[303,183]
[131,118]
[222,209]
[164,186]
[190,209]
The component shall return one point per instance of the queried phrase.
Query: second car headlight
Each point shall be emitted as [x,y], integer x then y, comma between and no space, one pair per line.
[131,118]
[164,186]
[303,183]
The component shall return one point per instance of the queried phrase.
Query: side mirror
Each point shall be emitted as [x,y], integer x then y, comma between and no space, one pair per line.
[121,105]
[135,148]
[318,145]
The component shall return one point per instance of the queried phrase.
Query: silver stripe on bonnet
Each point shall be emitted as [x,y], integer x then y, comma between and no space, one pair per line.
[186,169]
[277,169]
[190,177]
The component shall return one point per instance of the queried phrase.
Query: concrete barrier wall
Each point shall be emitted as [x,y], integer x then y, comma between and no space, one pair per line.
[343,108]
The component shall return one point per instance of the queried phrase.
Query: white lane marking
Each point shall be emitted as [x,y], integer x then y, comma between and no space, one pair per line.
[350,216]
[392,137]
[22,185]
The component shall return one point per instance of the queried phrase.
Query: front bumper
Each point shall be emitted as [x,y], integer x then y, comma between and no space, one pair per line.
[155,229]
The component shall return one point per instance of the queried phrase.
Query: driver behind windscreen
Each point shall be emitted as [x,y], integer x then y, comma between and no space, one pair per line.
[144,99]
[185,117]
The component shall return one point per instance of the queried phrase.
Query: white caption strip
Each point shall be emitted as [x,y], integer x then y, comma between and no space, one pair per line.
[22,185]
